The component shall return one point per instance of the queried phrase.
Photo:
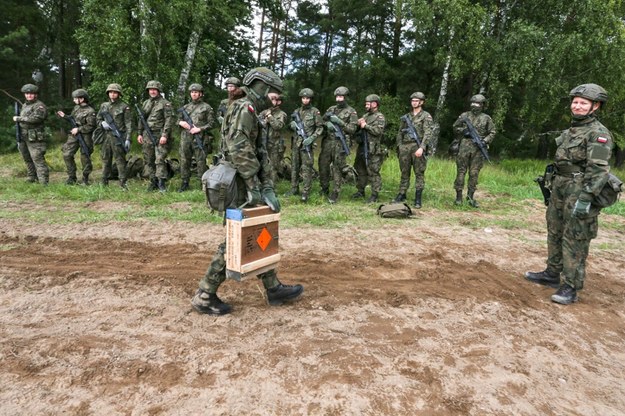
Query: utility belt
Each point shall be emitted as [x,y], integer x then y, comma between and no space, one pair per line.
[568,171]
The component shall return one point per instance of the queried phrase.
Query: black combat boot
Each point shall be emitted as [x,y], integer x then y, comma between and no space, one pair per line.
[162,185]
[417,198]
[304,197]
[358,194]
[122,183]
[373,198]
[71,180]
[565,295]
[184,186]
[282,293]
[325,191]
[153,185]
[85,179]
[334,197]
[401,197]
[458,200]
[209,303]
[105,182]
[471,200]
[545,278]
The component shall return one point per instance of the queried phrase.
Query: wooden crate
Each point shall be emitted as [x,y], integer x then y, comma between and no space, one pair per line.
[251,241]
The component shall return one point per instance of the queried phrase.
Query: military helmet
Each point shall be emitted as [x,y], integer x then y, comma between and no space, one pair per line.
[306,92]
[30,88]
[341,91]
[418,95]
[80,93]
[264,75]
[234,81]
[478,98]
[114,87]
[154,84]
[592,92]
[372,97]
[196,87]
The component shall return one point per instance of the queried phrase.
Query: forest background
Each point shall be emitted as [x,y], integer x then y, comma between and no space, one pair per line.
[524,56]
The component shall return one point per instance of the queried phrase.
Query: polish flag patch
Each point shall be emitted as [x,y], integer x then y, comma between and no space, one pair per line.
[251,109]
[602,139]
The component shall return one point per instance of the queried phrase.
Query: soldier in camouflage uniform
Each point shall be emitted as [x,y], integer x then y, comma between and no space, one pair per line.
[372,124]
[33,144]
[469,155]
[302,160]
[85,118]
[232,83]
[203,118]
[243,146]
[411,155]
[332,155]
[581,171]
[159,116]
[275,121]
[111,146]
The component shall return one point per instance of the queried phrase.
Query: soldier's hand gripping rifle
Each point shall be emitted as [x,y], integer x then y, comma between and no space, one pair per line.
[543,182]
[81,140]
[338,133]
[475,138]
[18,128]
[145,125]
[300,131]
[412,132]
[197,137]
[108,118]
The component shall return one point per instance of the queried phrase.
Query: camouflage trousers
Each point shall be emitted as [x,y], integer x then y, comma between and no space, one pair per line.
[275,161]
[568,237]
[302,164]
[469,159]
[368,173]
[110,150]
[324,161]
[154,158]
[34,154]
[69,149]
[188,151]
[216,273]
[409,162]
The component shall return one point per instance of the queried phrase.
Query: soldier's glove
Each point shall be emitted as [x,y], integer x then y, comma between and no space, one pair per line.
[330,126]
[271,199]
[335,119]
[253,191]
[581,208]
[293,125]
[106,126]
[466,133]
[308,141]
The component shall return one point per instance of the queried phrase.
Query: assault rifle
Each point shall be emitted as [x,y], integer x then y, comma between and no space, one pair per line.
[365,145]
[146,126]
[549,171]
[475,138]
[338,133]
[300,130]
[81,140]
[18,128]
[412,132]
[199,143]
[113,127]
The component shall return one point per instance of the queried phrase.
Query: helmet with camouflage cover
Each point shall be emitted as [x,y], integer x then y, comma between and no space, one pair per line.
[196,87]
[478,98]
[372,98]
[114,87]
[592,92]
[264,75]
[341,91]
[306,92]
[154,85]
[80,93]
[234,81]
[30,88]
[418,95]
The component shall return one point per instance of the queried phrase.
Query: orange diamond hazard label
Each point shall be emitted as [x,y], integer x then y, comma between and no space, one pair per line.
[264,238]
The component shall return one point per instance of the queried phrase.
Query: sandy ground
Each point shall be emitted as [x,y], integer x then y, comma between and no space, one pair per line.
[415,319]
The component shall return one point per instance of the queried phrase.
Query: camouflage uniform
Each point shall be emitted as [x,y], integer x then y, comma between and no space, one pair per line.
[33,140]
[469,155]
[275,120]
[370,173]
[301,162]
[203,118]
[111,147]
[332,152]
[85,118]
[159,116]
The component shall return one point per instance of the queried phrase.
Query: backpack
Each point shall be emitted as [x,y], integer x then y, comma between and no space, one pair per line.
[394,210]
[610,193]
[220,186]
[134,167]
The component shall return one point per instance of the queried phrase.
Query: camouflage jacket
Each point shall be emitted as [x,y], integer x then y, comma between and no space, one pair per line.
[32,115]
[587,146]
[120,112]
[159,116]
[423,123]
[201,114]
[376,123]
[482,122]
[275,120]
[223,107]
[311,118]
[85,119]
[348,116]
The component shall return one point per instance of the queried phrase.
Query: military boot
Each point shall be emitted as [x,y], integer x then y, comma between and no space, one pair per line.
[373,198]
[358,194]
[162,185]
[401,197]
[105,182]
[209,303]
[123,185]
[282,293]
[472,200]
[565,295]
[334,197]
[85,179]
[458,200]
[153,185]
[545,278]
[417,198]
[184,186]
[304,197]
[325,191]
[71,180]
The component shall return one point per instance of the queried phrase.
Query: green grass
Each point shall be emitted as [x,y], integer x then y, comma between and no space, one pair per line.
[505,191]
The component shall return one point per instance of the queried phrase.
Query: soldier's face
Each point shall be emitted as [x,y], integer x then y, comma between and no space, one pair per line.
[231,87]
[195,95]
[78,100]
[153,92]
[275,100]
[30,96]
[340,98]
[581,106]
[416,103]
[367,105]
[305,100]
[113,95]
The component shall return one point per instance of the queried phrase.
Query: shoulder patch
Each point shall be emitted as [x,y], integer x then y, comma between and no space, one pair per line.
[601,139]
[250,109]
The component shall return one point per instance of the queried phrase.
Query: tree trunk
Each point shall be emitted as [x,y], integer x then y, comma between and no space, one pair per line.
[440,105]
[260,37]
[619,155]
[194,39]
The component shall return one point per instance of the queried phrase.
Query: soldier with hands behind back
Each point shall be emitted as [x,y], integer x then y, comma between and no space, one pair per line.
[275,122]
